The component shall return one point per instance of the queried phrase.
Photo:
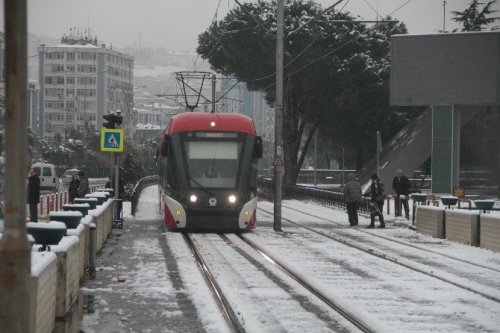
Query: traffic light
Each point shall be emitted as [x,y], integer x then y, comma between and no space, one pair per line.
[112,120]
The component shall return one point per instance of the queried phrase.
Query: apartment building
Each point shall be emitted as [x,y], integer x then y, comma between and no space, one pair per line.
[80,82]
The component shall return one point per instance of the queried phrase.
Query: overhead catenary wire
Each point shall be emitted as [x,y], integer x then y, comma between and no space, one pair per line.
[395,10]
[314,18]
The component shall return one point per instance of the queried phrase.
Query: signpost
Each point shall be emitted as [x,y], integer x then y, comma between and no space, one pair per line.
[112,140]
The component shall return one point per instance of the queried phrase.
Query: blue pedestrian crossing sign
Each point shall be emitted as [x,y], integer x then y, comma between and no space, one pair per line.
[112,140]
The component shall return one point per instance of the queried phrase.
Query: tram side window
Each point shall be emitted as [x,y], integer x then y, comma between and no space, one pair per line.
[171,170]
[252,176]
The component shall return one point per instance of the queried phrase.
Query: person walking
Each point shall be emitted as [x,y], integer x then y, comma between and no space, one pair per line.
[401,185]
[73,188]
[83,187]
[376,193]
[352,198]
[33,194]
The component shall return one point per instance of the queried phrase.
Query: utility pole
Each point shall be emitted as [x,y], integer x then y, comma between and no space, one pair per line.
[444,15]
[214,80]
[379,150]
[315,157]
[278,118]
[15,259]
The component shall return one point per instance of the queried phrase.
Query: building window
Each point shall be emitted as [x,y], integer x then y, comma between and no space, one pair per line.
[70,92]
[54,55]
[71,55]
[70,80]
[86,68]
[54,80]
[86,80]
[57,68]
[70,68]
[86,55]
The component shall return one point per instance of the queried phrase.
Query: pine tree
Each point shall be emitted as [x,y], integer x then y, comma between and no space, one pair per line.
[473,19]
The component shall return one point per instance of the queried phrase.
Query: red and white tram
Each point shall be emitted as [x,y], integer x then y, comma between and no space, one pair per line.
[208,172]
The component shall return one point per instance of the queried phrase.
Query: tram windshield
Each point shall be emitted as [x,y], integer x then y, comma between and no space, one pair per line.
[213,164]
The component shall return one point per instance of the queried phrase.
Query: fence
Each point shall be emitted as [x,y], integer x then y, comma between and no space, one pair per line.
[55,201]
[328,197]
[139,186]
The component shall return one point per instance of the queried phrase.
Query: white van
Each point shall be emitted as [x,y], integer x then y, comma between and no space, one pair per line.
[48,176]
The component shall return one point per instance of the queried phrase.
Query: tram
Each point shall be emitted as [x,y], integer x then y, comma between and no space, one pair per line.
[208,172]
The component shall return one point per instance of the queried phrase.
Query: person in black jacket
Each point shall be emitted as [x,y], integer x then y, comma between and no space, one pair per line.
[83,187]
[73,188]
[33,194]
[376,193]
[401,185]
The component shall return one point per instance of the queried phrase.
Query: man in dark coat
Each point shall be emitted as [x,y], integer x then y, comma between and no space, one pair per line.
[376,193]
[33,194]
[352,198]
[83,188]
[401,185]
[73,188]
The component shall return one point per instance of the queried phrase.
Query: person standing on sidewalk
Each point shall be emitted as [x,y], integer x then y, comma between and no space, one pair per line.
[33,194]
[73,188]
[401,185]
[376,193]
[352,197]
[83,188]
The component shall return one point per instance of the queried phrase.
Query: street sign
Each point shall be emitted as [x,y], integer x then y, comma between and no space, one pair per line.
[277,162]
[112,140]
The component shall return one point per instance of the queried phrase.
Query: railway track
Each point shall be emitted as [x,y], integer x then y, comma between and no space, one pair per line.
[397,241]
[236,242]
[493,295]
[232,320]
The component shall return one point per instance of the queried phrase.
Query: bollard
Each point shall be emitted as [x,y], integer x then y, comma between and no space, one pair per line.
[92,247]
[118,219]
[118,209]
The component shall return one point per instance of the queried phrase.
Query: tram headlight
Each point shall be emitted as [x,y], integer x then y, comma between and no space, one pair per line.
[193,198]
[232,198]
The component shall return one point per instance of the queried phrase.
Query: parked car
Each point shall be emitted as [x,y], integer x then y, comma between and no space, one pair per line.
[48,176]
[68,175]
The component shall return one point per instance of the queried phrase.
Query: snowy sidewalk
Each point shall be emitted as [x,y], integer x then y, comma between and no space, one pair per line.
[151,297]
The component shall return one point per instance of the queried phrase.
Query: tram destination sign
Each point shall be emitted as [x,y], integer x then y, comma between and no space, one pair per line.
[112,140]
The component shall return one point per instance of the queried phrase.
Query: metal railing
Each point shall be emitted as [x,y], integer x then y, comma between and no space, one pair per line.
[139,186]
[328,197]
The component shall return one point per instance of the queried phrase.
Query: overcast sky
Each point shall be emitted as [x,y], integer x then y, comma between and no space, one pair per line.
[175,24]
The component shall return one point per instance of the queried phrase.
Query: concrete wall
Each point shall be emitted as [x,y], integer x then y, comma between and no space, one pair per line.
[430,221]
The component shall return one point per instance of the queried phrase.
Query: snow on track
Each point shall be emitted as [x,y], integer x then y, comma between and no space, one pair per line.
[404,299]
[195,285]
[468,276]
[265,298]
[313,212]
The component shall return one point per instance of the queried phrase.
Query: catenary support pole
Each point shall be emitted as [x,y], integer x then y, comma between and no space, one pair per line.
[15,256]
[278,118]
[214,80]
[117,177]
[315,157]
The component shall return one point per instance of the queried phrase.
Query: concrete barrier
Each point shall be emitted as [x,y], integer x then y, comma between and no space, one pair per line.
[462,226]
[489,232]
[102,217]
[68,275]
[42,286]
[82,245]
[430,221]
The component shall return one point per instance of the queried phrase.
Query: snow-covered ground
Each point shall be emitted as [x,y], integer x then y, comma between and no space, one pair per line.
[393,279]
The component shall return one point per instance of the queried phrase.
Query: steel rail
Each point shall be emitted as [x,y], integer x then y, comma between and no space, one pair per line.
[232,320]
[393,260]
[399,242]
[328,301]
